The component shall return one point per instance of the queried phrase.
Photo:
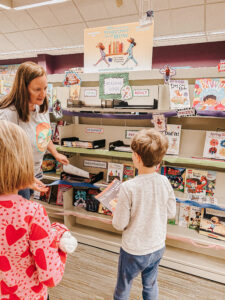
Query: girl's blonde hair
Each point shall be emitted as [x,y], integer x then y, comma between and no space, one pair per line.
[19,95]
[16,158]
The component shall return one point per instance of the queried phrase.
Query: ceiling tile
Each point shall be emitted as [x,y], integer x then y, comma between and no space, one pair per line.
[21,19]
[19,40]
[187,20]
[6,25]
[37,38]
[92,9]
[66,13]
[5,44]
[43,16]
[215,17]
[183,3]
[155,5]
[75,33]
[57,36]
[163,24]
[114,21]
[127,8]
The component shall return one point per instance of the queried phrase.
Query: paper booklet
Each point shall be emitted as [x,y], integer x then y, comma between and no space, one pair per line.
[114,171]
[173,133]
[109,196]
[75,171]
[214,145]
[209,94]
[179,94]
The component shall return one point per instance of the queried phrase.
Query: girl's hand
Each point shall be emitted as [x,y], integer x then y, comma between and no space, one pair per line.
[62,159]
[39,186]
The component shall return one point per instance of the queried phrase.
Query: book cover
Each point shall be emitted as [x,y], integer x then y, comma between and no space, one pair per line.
[194,217]
[176,177]
[184,215]
[173,133]
[175,220]
[61,189]
[214,145]
[179,94]
[104,210]
[213,223]
[196,183]
[128,172]
[209,94]
[108,197]
[114,171]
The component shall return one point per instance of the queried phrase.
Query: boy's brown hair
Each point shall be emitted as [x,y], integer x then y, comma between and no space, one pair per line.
[16,159]
[150,145]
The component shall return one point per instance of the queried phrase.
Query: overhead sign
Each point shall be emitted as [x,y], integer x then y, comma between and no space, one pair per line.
[124,47]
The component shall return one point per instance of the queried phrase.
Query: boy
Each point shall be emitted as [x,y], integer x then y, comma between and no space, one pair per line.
[144,205]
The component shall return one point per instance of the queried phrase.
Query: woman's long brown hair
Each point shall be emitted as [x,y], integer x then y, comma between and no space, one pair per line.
[19,96]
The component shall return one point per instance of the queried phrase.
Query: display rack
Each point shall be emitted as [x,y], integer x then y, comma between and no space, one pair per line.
[187,250]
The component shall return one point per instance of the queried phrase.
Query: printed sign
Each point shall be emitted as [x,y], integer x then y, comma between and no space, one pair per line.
[95,164]
[110,85]
[94,130]
[186,112]
[90,93]
[117,48]
[141,93]
[129,134]
[221,66]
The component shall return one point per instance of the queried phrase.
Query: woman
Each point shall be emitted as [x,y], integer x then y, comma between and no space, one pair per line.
[27,106]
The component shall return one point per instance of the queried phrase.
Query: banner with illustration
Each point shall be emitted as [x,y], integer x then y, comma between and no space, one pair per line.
[125,47]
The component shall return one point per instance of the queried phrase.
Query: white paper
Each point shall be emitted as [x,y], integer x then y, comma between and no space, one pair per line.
[75,171]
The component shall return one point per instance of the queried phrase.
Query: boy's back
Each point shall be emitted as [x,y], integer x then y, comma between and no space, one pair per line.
[146,202]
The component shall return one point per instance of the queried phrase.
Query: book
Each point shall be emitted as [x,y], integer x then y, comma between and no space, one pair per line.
[184,215]
[176,177]
[109,196]
[209,94]
[104,210]
[61,189]
[213,223]
[179,94]
[128,172]
[214,145]
[70,169]
[114,171]
[175,220]
[173,133]
[194,217]
[196,182]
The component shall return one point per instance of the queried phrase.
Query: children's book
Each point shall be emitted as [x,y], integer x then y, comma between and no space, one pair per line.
[176,177]
[196,183]
[214,145]
[114,171]
[175,220]
[109,196]
[128,172]
[184,215]
[209,94]
[179,94]
[213,223]
[173,133]
[61,189]
[104,210]
[194,217]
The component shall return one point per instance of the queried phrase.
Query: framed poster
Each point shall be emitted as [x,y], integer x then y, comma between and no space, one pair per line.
[110,85]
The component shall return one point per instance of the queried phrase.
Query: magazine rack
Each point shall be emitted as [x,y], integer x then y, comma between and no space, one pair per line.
[187,250]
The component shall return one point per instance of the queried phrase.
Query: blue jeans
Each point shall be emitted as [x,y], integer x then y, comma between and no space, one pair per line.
[130,266]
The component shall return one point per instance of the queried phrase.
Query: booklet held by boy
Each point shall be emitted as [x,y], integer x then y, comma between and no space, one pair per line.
[109,196]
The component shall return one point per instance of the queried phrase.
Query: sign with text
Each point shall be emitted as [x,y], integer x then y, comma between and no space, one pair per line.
[116,48]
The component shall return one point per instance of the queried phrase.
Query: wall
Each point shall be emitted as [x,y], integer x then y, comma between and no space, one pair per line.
[193,55]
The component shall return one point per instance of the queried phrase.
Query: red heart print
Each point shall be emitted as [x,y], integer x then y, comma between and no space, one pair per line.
[49,282]
[6,204]
[44,210]
[5,289]
[14,297]
[37,233]
[40,259]
[28,219]
[53,244]
[30,270]
[62,256]
[37,288]
[26,253]
[4,264]
[13,235]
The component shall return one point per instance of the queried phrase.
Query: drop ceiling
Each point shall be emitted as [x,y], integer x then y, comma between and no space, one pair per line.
[58,28]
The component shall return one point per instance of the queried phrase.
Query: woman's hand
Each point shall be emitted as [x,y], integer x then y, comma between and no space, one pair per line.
[62,159]
[39,186]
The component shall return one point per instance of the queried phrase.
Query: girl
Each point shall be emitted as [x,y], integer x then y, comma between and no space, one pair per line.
[30,258]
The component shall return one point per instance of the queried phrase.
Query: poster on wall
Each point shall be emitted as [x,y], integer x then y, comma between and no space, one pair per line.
[124,47]
[110,85]
[209,94]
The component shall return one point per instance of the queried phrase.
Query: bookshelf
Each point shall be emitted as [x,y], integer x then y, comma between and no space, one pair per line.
[187,250]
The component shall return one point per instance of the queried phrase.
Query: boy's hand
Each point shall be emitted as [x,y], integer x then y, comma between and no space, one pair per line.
[39,186]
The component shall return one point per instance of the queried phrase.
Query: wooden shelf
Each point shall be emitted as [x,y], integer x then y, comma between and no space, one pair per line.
[49,206]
